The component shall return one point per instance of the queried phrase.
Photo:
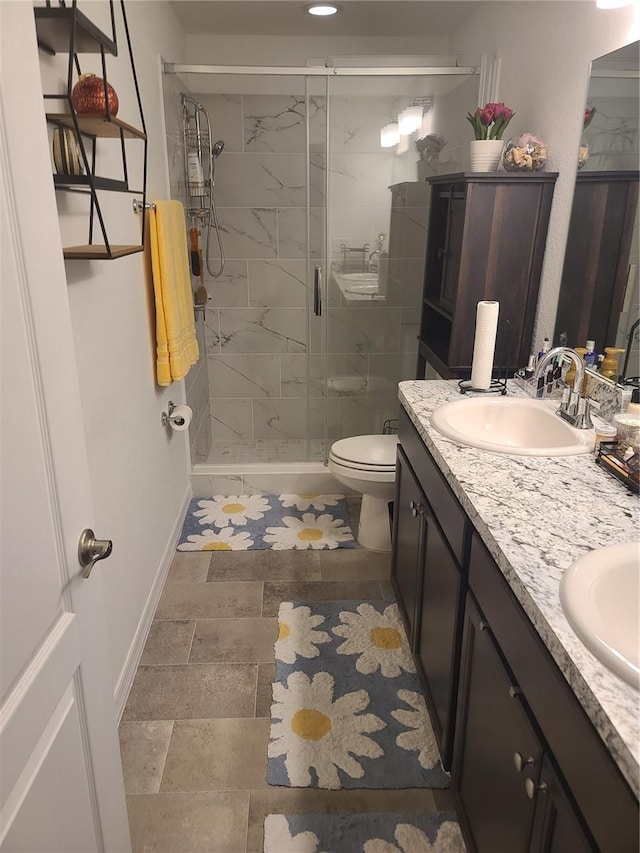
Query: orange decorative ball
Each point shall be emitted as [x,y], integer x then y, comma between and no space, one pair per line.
[88,97]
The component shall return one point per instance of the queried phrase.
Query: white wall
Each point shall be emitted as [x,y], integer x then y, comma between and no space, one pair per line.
[546,50]
[295,50]
[139,472]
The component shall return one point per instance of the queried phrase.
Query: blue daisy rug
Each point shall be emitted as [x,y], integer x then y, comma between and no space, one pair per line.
[435,832]
[259,522]
[348,710]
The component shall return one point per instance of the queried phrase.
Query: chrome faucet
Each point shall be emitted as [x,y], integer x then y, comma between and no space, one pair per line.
[574,408]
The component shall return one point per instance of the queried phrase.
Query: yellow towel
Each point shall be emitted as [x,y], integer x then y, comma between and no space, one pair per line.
[177,347]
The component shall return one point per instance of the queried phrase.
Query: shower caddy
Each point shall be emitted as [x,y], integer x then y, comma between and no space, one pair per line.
[65,29]
[200,155]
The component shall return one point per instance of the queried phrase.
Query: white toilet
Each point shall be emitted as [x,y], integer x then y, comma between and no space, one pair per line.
[367,464]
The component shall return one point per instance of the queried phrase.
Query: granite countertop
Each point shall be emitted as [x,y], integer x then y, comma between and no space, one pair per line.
[537,516]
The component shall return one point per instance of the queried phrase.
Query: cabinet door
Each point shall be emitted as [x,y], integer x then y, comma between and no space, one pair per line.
[452,251]
[407,551]
[439,630]
[556,826]
[496,750]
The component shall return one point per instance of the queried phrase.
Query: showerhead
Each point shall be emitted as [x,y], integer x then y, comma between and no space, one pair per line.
[218,147]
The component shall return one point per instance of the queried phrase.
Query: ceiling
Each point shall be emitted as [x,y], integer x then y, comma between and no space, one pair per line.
[356,18]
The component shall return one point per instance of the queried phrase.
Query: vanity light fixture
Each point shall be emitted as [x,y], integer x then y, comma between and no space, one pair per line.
[613,4]
[389,135]
[323,10]
[409,120]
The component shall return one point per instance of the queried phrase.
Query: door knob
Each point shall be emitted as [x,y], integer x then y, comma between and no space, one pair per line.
[531,788]
[90,550]
[521,762]
[416,509]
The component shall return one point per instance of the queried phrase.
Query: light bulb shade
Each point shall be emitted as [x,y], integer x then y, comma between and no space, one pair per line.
[409,120]
[389,135]
[322,9]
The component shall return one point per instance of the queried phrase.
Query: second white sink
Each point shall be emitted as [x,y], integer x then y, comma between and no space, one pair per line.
[511,425]
[599,595]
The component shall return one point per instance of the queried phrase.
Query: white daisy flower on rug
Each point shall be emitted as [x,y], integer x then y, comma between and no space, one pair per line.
[302,502]
[421,737]
[413,840]
[225,540]
[378,639]
[234,509]
[297,634]
[314,731]
[325,531]
[278,837]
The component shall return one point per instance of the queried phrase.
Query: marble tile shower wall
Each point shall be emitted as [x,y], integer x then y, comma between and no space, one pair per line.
[256,329]
[197,380]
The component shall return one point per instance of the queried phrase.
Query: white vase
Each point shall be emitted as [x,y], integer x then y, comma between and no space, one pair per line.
[485,154]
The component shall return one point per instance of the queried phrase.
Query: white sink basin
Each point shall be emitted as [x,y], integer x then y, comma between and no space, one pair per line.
[362,287]
[508,425]
[371,277]
[599,595]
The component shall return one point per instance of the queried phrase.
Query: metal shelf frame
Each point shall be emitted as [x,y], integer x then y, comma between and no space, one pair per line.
[65,29]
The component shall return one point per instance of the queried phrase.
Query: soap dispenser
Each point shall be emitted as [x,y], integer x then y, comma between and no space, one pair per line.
[609,367]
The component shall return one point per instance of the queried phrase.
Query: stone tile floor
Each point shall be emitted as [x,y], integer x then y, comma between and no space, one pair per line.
[195,729]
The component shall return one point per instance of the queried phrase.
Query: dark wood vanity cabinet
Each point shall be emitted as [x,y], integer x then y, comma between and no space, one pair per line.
[487,236]
[427,578]
[521,804]
[529,771]
[596,264]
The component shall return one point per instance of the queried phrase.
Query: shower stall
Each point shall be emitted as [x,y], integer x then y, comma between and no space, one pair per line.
[321,232]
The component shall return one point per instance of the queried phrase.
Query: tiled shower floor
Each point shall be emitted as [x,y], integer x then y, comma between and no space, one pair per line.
[266,450]
[195,729]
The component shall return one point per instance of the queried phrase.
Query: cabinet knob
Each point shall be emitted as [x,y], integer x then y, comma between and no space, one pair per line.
[514,691]
[521,762]
[531,788]
[441,253]
[416,509]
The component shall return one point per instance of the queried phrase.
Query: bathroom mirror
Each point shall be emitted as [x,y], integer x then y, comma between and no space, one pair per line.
[599,293]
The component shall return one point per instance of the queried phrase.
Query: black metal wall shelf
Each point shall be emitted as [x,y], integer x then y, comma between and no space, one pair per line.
[56,25]
[65,29]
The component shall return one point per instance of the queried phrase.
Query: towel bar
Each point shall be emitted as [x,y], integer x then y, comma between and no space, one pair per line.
[138,205]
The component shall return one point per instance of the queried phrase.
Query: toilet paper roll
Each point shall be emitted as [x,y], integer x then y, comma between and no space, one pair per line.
[484,344]
[181,417]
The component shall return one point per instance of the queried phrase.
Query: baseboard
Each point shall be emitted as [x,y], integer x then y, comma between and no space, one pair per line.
[134,654]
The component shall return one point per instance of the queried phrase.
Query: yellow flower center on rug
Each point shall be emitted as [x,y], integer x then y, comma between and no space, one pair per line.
[310,534]
[310,724]
[217,546]
[283,630]
[231,508]
[386,638]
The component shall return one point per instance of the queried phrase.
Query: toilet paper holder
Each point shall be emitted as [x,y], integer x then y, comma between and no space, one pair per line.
[168,418]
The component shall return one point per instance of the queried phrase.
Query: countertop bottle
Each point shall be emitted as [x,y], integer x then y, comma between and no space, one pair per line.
[609,366]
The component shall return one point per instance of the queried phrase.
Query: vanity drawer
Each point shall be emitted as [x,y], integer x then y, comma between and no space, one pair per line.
[603,797]
[444,503]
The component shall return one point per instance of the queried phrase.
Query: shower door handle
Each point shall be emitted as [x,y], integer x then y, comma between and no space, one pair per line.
[317,291]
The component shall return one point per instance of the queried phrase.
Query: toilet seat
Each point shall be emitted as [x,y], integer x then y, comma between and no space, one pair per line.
[366,452]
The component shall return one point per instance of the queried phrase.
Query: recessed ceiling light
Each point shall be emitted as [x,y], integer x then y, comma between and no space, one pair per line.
[323,9]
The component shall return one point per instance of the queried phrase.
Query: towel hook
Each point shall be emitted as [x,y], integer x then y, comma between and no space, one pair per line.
[138,206]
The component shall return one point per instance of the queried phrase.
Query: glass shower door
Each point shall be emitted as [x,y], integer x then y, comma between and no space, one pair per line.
[375,237]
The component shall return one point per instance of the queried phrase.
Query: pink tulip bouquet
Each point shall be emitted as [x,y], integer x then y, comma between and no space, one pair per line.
[490,121]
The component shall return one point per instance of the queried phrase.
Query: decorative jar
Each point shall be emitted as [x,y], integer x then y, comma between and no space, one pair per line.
[526,153]
[88,96]
[583,153]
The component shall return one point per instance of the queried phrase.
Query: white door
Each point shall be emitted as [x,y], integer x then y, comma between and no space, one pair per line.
[61,786]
